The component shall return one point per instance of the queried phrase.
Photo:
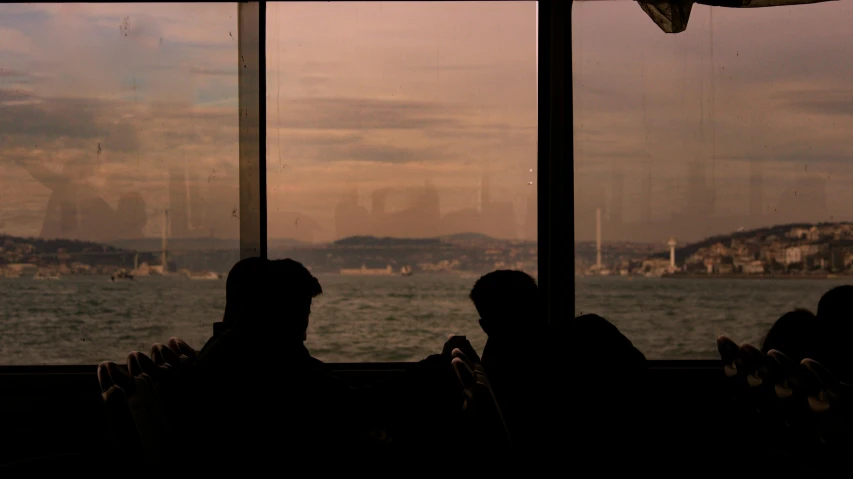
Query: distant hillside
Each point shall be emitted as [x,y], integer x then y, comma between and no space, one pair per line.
[586,251]
[386,241]
[776,230]
[389,241]
[54,245]
[179,244]
[467,237]
[281,243]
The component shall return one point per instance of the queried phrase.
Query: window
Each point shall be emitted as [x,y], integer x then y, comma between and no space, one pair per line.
[401,164]
[730,139]
[119,160]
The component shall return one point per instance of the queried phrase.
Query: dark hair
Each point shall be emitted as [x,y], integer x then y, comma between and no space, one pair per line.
[258,291]
[293,281]
[796,334]
[835,317]
[243,287]
[292,290]
[836,304]
[506,300]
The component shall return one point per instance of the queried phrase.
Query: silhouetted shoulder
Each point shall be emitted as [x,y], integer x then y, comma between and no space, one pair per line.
[591,336]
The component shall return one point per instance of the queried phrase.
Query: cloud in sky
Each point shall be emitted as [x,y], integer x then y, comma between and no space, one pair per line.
[389,95]
[379,95]
[126,86]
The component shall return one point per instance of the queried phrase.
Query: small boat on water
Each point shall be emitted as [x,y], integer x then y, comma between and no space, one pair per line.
[44,276]
[406,271]
[209,275]
[121,275]
[365,271]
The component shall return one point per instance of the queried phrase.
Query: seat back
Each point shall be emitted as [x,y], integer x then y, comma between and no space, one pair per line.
[126,441]
[729,353]
[480,403]
[145,405]
[184,351]
[142,399]
[830,404]
[829,393]
[740,375]
[754,364]
[793,385]
[162,355]
[783,370]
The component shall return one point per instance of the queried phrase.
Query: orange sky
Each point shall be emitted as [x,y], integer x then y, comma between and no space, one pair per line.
[375,94]
[390,95]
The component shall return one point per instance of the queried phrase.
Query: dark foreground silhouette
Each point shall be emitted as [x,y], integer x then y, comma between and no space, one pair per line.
[255,387]
[255,395]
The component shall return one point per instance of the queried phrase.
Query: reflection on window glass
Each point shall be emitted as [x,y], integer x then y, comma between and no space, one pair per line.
[712,165]
[118,177]
[401,164]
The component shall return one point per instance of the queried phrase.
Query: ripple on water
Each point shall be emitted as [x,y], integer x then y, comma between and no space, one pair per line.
[379,319]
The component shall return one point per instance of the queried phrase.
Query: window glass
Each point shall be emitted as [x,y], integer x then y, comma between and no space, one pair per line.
[729,138]
[118,176]
[401,164]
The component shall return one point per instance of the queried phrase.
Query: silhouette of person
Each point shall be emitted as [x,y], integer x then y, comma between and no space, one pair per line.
[595,392]
[835,315]
[796,334]
[254,385]
[243,285]
[509,306]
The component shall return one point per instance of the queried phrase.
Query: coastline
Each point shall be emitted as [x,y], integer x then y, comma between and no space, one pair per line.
[754,276]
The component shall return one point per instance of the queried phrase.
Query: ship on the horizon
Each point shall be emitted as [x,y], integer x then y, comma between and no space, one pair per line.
[43,276]
[202,275]
[139,270]
[365,271]
[406,271]
[121,275]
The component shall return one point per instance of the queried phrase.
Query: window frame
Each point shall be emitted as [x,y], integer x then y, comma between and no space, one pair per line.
[251,104]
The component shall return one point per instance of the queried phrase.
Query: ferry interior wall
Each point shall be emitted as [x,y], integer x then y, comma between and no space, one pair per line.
[54,410]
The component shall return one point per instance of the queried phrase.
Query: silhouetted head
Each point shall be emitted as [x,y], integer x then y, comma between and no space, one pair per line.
[508,303]
[244,288]
[270,298]
[294,289]
[835,316]
[796,334]
[836,305]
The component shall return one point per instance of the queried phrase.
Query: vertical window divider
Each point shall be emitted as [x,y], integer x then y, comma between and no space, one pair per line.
[555,159]
[251,64]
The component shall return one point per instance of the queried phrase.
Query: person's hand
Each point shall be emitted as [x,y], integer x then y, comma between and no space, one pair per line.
[462,343]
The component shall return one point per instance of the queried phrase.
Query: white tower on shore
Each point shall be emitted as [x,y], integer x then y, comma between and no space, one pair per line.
[598,238]
[672,244]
